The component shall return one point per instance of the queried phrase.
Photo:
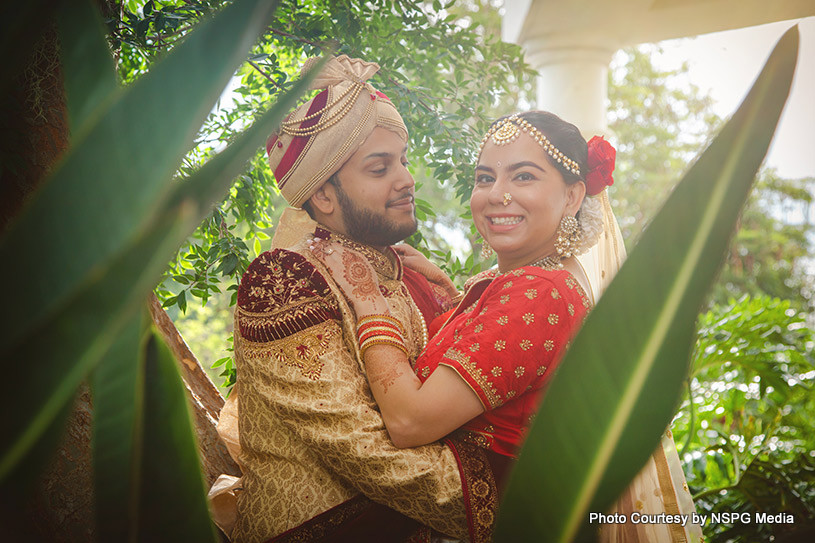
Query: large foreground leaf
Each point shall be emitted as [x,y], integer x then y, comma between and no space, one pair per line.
[64,347]
[90,77]
[147,474]
[117,385]
[109,185]
[172,503]
[618,387]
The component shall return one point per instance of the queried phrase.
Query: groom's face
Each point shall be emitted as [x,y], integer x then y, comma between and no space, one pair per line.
[375,191]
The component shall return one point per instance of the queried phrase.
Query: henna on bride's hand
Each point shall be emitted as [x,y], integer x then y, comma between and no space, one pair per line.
[386,375]
[360,276]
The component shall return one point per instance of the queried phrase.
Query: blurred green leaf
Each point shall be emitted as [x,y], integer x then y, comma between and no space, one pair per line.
[90,80]
[120,163]
[169,490]
[82,330]
[652,304]
[117,385]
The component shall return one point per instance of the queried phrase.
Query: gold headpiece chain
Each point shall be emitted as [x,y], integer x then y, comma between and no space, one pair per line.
[506,131]
[291,128]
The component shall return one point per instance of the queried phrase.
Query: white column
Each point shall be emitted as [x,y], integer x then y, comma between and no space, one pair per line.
[572,83]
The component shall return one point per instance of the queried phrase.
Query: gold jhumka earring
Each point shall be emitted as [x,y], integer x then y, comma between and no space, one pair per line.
[486,250]
[568,236]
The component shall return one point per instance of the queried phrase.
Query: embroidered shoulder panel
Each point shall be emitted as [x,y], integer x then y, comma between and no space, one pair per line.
[281,294]
[486,274]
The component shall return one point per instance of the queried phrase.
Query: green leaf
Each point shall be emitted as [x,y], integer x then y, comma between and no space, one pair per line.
[120,164]
[90,79]
[118,390]
[618,387]
[147,475]
[61,351]
[171,495]
[81,332]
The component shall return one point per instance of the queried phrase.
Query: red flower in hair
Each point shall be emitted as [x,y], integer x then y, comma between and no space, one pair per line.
[601,164]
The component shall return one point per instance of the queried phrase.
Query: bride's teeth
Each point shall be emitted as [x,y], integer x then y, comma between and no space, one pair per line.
[506,220]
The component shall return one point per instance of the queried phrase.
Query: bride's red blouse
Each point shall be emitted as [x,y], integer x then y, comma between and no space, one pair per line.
[505,340]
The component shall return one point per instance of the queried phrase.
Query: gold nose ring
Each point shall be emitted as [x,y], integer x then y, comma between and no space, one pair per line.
[507,198]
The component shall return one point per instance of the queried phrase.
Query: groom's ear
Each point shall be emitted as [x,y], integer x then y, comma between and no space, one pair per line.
[324,201]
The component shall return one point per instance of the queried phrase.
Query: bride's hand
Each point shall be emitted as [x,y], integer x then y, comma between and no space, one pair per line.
[416,261]
[354,275]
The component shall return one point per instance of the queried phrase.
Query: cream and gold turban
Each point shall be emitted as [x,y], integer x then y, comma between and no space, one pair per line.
[322,134]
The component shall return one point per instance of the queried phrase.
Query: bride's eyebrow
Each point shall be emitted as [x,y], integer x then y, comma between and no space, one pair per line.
[523,164]
[483,168]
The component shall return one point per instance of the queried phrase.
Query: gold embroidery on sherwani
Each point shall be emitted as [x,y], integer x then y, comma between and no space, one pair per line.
[315,439]
[302,351]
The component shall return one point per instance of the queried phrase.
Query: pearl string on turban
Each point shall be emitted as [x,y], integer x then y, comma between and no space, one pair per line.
[322,134]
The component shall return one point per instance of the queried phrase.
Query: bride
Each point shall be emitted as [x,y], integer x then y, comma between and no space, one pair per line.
[538,201]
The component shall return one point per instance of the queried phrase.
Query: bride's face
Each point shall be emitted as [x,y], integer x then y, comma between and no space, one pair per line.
[524,230]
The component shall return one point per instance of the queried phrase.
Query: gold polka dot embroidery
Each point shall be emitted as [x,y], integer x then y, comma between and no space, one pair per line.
[541,370]
[508,284]
[549,345]
[571,309]
[528,318]
[503,319]
[555,294]
[483,310]
[519,371]
[478,328]
[531,293]
[504,299]
[510,394]
[530,277]
[553,318]
[474,347]
[525,345]
[496,371]
[500,345]
[468,322]
[425,371]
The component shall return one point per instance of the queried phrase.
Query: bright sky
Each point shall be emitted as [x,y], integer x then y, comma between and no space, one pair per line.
[726,63]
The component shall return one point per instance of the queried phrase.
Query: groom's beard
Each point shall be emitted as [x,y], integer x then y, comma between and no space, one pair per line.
[371,227]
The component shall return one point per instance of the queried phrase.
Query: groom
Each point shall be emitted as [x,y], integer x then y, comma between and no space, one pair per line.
[316,458]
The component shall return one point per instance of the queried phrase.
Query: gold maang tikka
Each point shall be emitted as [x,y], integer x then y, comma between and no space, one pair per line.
[507,131]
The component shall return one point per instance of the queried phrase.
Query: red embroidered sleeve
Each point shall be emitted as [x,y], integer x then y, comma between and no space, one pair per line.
[512,338]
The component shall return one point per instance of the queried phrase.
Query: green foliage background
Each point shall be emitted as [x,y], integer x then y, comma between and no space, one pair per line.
[659,125]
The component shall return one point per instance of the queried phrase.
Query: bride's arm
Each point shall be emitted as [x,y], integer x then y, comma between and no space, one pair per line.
[414,413]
